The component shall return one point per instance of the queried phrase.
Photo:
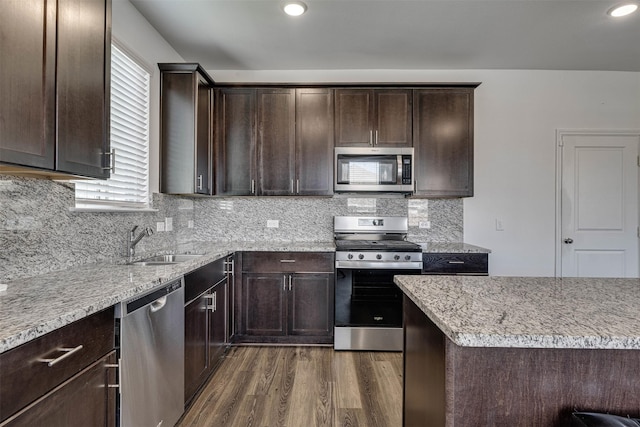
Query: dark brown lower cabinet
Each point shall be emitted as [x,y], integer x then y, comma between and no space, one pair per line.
[218,328]
[310,305]
[43,380]
[281,305]
[293,305]
[86,399]
[450,385]
[424,370]
[263,305]
[196,361]
[205,336]
[456,263]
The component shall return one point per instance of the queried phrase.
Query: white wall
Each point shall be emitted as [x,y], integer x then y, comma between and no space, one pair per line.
[517,113]
[130,28]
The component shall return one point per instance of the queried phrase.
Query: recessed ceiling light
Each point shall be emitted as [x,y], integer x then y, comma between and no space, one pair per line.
[622,10]
[294,8]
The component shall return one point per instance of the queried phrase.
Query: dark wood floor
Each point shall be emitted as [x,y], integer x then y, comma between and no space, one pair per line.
[301,386]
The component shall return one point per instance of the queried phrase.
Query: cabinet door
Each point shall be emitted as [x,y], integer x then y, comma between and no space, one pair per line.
[27,104]
[276,142]
[217,324]
[204,138]
[236,142]
[263,307]
[310,305]
[314,142]
[353,117]
[196,362]
[392,127]
[82,86]
[177,132]
[443,142]
[84,400]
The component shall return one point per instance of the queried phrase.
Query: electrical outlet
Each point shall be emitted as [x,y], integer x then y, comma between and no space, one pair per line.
[168,224]
[424,224]
[190,223]
[499,225]
[273,223]
[159,226]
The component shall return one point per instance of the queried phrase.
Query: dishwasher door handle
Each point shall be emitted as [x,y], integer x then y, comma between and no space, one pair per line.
[158,304]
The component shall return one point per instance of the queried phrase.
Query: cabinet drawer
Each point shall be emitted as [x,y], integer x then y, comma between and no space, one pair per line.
[288,262]
[84,400]
[24,377]
[198,281]
[455,263]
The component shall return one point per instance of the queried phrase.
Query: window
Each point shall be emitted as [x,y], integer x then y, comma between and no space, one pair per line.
[128,186]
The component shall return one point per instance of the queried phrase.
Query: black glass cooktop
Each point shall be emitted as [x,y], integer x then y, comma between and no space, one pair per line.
[377,245]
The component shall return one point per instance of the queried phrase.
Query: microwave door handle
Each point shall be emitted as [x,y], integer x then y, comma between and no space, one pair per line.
[399,175]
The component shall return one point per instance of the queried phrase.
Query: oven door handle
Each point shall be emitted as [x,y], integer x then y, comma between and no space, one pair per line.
[372,265]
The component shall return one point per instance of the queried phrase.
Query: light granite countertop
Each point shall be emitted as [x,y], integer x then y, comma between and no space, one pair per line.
[530,312]
[444,247]
[33,306]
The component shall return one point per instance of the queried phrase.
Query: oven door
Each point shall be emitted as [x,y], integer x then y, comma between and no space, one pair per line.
[368,309]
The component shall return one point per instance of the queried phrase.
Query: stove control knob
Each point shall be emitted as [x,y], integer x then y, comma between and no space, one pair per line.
[378,256]
[396,257]
[350,256]
[360,256]
[407,257]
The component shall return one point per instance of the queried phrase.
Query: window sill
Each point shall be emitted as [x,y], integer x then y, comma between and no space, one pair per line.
[113,209]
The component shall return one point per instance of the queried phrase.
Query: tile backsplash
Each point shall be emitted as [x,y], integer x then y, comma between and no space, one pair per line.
[39,233]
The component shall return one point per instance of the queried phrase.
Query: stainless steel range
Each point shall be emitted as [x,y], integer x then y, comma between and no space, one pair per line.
[369,252]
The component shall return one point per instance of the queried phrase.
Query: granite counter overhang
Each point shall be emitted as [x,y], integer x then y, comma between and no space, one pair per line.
[530,312]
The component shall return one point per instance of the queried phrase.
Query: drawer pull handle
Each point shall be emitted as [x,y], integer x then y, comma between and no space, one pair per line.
[287,260]
[456,262]
[112,161]
[67,353]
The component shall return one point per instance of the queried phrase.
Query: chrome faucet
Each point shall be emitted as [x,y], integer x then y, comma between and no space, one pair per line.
[133,240]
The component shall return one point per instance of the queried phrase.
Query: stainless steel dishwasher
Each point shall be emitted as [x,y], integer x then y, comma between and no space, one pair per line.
[152,357]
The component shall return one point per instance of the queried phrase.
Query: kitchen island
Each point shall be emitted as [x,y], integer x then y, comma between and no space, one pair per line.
[511,351]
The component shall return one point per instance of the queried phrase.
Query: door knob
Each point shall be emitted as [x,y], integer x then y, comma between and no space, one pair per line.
[568,241]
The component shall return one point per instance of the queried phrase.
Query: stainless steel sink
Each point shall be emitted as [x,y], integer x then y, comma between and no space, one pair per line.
[167,259]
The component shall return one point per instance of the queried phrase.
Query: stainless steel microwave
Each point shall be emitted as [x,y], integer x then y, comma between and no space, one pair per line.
[373,169]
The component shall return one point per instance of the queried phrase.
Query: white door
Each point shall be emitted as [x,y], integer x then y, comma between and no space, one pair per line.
[599,204]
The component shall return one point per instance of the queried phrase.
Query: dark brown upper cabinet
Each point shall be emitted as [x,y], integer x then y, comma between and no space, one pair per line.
[373,117]
[186,132]
[314,142]
[275,141]
[236,142]
[443,142]
[54,108]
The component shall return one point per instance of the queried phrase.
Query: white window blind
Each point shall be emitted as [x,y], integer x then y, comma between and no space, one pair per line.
[128,185]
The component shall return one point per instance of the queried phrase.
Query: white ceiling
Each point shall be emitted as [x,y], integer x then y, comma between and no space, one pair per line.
[399,34]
